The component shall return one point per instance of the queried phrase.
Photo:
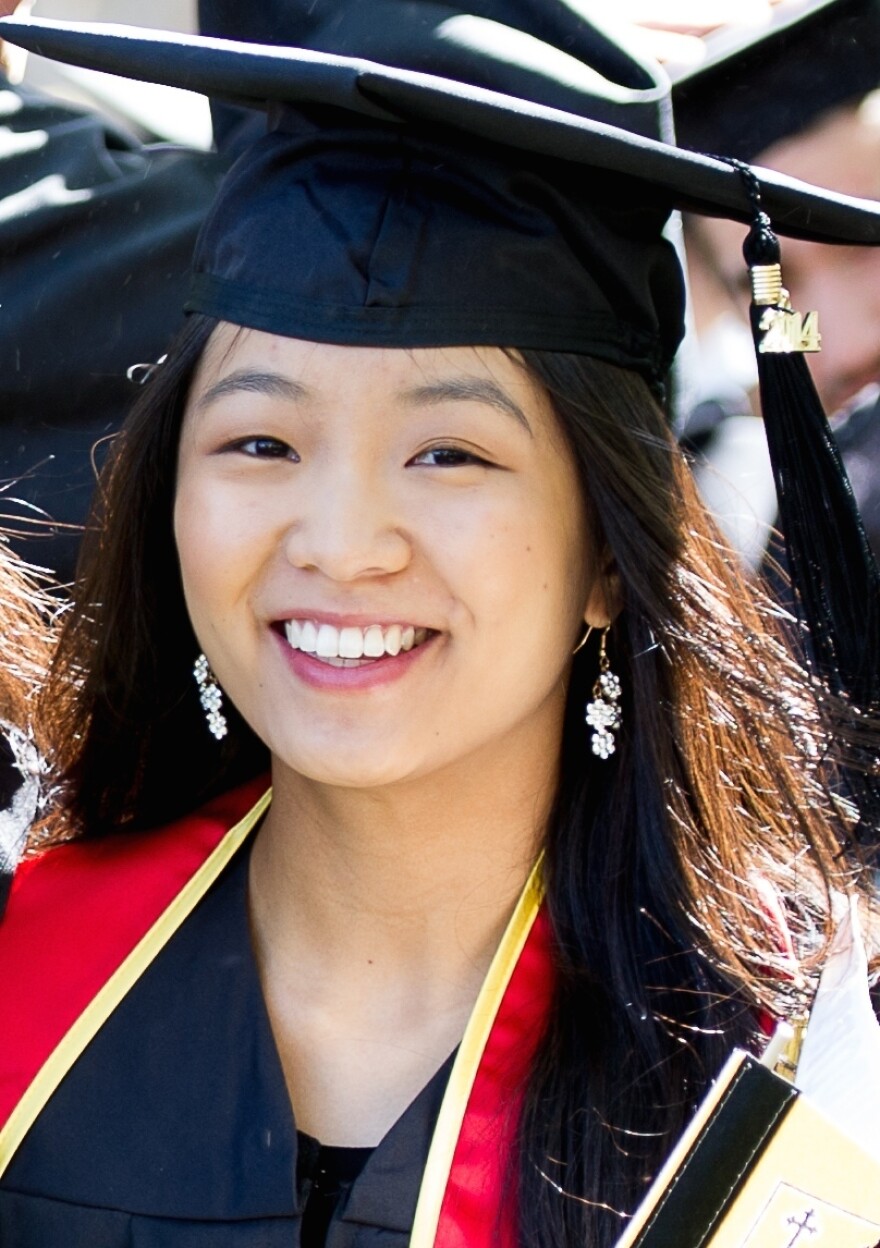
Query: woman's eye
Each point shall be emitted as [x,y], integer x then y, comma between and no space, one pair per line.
[448,457]
[265,448]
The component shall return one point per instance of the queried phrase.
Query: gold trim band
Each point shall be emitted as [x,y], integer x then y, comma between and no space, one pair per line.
[766,282]
[464,1070]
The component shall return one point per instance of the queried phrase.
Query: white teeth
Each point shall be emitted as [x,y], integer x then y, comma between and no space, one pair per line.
[308,641]
[339,644]
[328,642]
[374,642]
[351,643]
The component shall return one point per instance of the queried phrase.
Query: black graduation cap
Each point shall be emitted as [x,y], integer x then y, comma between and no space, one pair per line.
[539,130]
[757,86]
[501,176]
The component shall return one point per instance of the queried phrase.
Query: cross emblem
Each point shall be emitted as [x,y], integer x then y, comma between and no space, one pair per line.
[802,1226]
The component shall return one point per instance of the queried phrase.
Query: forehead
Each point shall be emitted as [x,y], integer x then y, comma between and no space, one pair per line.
[321,373]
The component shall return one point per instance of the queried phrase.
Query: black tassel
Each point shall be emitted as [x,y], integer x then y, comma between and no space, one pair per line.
[834,576]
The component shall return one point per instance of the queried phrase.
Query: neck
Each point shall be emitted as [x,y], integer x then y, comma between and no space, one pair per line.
[375,916]
[419,871]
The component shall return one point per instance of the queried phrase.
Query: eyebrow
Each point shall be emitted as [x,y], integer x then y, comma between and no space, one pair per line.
[469,389]
[272,384]
[452,389]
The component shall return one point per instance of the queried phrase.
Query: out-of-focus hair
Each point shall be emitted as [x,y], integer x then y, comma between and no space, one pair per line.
[26,628]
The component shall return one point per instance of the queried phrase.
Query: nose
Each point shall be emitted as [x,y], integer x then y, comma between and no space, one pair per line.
[346,526]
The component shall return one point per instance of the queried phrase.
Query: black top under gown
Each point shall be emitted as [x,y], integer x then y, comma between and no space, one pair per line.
[174,1128]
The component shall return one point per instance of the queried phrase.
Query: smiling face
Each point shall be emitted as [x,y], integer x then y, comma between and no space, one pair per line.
[384,553]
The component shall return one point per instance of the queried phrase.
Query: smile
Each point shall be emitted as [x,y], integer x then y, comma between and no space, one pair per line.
[351,645]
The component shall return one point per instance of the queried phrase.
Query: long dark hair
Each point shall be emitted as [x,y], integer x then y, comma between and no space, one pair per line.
[122,701]
[657,859]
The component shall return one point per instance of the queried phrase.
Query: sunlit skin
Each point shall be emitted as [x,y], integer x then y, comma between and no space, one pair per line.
[361,485]
[12,60]
[7,8]
[672,31]
[842,151]
[383,492]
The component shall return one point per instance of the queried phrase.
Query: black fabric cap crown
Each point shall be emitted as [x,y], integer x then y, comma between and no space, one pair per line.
[757,88]
[343,225]
[359,234]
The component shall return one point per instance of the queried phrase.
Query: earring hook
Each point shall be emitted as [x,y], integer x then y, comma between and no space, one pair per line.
[583,641]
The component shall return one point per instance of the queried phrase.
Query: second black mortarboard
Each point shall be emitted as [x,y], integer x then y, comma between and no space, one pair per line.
[757,86]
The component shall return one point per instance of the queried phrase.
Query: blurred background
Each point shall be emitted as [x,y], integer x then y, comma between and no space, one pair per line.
[153,112]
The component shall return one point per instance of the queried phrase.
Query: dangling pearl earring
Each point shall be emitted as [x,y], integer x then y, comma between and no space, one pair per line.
[603,713]
[210,696]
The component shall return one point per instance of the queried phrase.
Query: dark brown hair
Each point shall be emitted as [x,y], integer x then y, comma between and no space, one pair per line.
[658,859]
[130,734]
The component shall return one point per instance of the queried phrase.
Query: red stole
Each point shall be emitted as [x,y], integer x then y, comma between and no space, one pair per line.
[85,920]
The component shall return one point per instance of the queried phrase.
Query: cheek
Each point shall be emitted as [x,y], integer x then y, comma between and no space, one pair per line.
[195,524]
[528,570]
[215,542]
[562,544]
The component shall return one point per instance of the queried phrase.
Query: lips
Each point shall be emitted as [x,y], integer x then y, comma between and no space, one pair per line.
[351,643]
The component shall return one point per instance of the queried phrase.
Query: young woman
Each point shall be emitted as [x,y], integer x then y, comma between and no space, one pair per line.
[399,522]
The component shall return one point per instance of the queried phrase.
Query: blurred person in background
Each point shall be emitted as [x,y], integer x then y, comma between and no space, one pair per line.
[796,95]
[96,233]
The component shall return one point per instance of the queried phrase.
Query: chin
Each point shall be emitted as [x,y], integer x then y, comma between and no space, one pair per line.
[346,768]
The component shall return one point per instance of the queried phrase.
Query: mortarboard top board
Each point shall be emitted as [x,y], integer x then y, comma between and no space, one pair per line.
[501,178]
[757,86]
[545,133]
[613,124]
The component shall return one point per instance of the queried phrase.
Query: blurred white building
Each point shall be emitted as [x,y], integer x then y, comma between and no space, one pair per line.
[164,14]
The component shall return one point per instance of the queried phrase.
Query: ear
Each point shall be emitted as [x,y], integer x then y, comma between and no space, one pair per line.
[605,599]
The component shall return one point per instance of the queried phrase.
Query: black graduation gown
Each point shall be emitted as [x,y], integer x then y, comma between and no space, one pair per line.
[174,1128]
